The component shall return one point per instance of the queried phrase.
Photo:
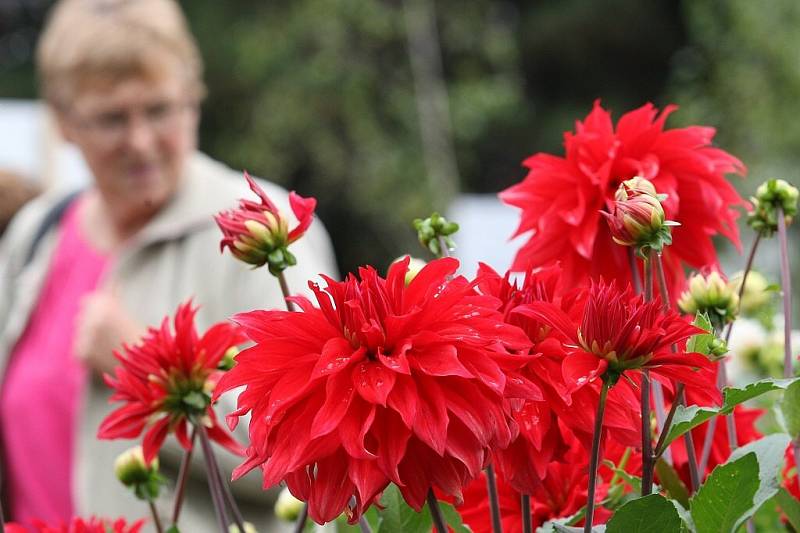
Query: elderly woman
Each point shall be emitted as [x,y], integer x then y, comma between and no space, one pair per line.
[87,271]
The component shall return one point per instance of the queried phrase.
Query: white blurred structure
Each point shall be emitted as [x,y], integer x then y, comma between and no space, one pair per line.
[30,146]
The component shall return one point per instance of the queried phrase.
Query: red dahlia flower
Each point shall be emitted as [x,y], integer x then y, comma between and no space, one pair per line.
[257,233]
[791,476]
[382,382]
[561,197]
[619,333]
[79,525]
[166,381]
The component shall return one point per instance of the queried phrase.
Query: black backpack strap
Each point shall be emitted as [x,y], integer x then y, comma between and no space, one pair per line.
[51,219]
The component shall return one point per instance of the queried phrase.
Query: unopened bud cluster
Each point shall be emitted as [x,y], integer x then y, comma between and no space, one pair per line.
[713,295]
[432,230]
[770,196]
[637,217]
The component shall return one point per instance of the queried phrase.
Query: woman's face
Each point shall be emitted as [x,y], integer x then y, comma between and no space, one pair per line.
[135,135]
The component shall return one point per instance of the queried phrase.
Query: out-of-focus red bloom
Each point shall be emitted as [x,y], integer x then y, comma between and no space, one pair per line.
[382,382]
[561,493]
[79,525]
[561,197]
[791,476]
[166,381]
[620,333]
[257,233]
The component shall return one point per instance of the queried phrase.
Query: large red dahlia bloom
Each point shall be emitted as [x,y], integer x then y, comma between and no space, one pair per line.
[620,333]
[79,525]
[166,381]
[561,197]
[380,383]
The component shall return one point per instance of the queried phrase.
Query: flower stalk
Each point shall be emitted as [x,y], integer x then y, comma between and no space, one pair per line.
[525,501]
[436,513]
[494,500]
[213,481]
[285,290]
[786,289]
[595,459]
[156,519]
[183,476]
[300,525]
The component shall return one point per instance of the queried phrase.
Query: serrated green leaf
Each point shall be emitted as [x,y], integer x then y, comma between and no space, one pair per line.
[721,503]
[790,409]
[650,514]
[453,518]
[672,483]
[790,507]
[687,418]
[398,516]
[173,529]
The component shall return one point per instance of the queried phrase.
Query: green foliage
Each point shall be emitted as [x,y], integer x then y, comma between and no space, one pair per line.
[650,514]
[726,496]
[398,516]
[790,507]
[672,483]
[687,418]
[790,410]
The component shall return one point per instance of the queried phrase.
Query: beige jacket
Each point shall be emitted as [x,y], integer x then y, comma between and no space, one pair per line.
[175,257]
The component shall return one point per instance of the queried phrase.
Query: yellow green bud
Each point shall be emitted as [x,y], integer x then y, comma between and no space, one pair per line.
[710,294]
[287,507]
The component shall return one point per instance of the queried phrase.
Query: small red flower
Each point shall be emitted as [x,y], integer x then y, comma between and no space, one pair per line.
[619,333]
[166,381]
[380,382]
[791,476]
[258,234]
[79,525]
[561,197]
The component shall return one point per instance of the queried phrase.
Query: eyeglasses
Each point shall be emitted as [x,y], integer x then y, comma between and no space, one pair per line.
[111,127]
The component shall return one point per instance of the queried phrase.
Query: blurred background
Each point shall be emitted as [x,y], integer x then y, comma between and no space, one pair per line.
[388,110]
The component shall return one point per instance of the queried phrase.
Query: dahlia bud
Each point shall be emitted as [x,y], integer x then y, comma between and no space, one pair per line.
[258,234]
[248,528]
[132,470]
[769,196]
[287,507]
[227,362]
[415,264]
[757,293]
[431,229]
[712,295]
[637,218]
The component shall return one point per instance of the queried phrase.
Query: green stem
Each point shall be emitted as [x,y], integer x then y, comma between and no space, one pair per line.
[786,289]
[443,250]
[637,283]
[364,525]
[494,500]
[213,481]
[647,449]
[436,513]
[300,525]
[595,459]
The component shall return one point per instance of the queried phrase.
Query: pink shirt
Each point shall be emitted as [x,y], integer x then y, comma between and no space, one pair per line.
[41,394]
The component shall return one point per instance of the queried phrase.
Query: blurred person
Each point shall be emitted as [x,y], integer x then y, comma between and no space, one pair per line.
[89,270]
[15,192]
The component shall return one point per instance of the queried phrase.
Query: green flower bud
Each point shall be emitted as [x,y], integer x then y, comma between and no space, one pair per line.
[711,295]
[287,507]
[414,266]
[431,229]
[769,196]
[131,469]
[227,362]
[757,295]
[248,528]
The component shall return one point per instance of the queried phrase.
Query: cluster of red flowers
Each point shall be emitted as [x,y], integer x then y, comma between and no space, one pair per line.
[424,384]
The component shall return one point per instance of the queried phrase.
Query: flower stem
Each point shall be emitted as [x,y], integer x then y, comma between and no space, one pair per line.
[300,525]
[637,283]
[183,475]
[443,250]
[156,519]
[364,525]
[527,526]
[285,290]
[647,449]
[494,501]
[595,459]
[436,513]
[213,481]
[648,277]
[786,289]
[225,489]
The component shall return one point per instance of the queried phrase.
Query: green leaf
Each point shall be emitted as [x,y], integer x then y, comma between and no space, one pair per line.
[672,483]
[687,418]
[173,529]
[721,503]
[790,507]
[790,409]
[398,516]
[701,343]
[650,514]
[453,518]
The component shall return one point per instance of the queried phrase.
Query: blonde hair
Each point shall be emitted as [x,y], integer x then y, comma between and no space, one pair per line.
[106,41]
